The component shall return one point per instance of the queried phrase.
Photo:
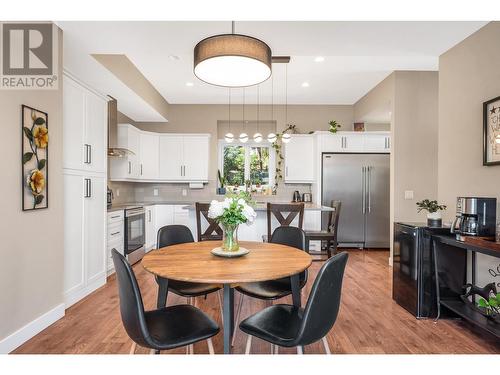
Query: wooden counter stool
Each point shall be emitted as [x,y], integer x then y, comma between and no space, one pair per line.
[329,235]
[214,231]
[277,210]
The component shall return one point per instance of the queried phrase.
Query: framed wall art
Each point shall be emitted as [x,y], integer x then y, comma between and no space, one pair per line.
[491,132]
[35,163]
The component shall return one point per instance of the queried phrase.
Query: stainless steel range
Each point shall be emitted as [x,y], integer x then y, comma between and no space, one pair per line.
[135,233]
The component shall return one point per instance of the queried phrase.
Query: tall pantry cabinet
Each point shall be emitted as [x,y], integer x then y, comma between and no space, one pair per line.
[84,159]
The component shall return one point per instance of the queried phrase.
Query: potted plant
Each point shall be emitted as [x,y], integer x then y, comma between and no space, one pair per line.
[334,126]
[236,209]
[221,190]
[434,218]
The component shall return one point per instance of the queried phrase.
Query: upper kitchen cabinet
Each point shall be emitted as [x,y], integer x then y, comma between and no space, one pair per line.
[196,156]
[149,167]
[129,166]
[376,142]
[299,159]
[85,127]
[184,157]
[160,157]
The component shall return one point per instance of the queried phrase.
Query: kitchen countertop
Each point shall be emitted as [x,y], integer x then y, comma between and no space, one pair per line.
[260,206]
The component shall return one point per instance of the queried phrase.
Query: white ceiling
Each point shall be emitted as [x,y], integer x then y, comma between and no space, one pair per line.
[358,55]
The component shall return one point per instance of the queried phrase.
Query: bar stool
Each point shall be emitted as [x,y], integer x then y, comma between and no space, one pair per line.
[277,210]
[329,235]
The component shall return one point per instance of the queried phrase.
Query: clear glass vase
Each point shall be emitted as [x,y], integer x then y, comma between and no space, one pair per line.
[230,238]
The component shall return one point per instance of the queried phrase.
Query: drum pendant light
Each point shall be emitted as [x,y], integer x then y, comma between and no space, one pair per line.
[232,60]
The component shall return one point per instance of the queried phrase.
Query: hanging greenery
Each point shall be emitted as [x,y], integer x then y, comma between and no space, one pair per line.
[278,149]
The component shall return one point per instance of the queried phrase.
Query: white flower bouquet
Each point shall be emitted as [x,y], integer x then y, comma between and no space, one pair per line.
[236,209]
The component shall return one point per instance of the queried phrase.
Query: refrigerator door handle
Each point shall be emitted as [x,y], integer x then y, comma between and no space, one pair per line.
[369,189]
[363,193]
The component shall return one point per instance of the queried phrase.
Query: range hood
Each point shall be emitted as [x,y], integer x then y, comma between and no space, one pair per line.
[113,151]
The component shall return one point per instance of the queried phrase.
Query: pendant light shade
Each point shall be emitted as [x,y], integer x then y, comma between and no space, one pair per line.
[271,138]
[229,137]
[232,60]
[286,138]
[243,137]
[257,137]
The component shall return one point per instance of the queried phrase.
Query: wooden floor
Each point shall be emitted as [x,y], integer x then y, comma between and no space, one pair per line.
[369,320]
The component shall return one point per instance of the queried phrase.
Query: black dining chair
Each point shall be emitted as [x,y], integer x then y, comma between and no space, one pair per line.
[275,289]
[177,234]
[162,329]
[289,326]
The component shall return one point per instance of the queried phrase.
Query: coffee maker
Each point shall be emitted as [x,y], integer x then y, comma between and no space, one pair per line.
[475,217]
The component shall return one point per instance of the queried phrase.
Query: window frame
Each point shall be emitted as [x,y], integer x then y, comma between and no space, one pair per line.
[247,146]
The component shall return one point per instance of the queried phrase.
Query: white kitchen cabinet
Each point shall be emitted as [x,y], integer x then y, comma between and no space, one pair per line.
[84,234]
[84,128]
[181,215]
[129,166]
[115,237]
[149,156]
[196,156]
[377,142]
[171,157]
[164,215]
[352,142]
[150,227]
[299,159]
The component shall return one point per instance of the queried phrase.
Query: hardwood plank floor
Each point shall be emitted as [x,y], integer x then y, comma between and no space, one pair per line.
[369,320]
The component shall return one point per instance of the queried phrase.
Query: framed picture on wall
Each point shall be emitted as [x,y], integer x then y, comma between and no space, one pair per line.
[35,152]
[491,132]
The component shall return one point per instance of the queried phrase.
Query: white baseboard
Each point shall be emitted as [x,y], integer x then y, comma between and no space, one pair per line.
[31,329]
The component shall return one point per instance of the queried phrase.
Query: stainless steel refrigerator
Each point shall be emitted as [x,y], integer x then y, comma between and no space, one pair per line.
[361,183]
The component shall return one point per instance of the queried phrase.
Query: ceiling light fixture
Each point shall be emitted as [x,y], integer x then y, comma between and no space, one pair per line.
[286,137]
[272,137]
[232,60]
[319,59]
[229,137]
[244,136]
[257,137]
[189,84]
[174,57]
[305,84]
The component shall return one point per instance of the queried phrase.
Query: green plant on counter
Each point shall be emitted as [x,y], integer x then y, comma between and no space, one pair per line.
[430,206]
[277,145]
[492,305]
[222,180]
[334,126]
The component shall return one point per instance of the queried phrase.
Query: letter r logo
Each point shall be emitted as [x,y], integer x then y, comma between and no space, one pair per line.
[27,49]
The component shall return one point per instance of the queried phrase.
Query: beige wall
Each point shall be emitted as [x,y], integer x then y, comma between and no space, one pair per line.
[31,270]
[469,75]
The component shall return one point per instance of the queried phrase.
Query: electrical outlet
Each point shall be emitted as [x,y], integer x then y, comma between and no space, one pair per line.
[155,192]
[184,192]
[117,192]
[408,194]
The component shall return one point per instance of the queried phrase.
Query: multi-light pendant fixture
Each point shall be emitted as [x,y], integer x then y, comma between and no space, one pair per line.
[235,60]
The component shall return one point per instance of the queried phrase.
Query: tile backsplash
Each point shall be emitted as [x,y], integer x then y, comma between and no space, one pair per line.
[128,192]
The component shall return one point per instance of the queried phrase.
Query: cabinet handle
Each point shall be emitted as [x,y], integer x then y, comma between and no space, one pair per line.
[86,194]
[345,142]
[114,217]
[90,187]
[286,171]
[181,170]
[86,151]
[129,167]
[90,154]
[150,216]
[141,169]
[388,142]
[184,171]
[114,234]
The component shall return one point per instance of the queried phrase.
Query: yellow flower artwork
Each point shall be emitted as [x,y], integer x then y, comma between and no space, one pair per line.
[35,133]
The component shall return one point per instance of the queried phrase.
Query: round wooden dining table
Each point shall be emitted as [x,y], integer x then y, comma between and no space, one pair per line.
[194,262]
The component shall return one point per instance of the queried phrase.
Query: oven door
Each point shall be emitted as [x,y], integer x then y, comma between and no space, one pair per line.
[134,229]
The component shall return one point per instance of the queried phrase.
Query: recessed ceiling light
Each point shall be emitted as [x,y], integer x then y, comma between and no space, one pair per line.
[305,84]
[189,84]
[319,59]
[174,57]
